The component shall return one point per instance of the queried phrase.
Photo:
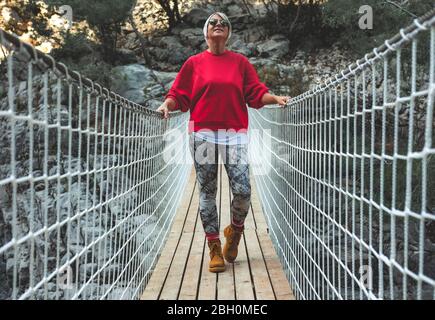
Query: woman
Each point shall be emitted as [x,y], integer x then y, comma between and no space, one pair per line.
[216,85]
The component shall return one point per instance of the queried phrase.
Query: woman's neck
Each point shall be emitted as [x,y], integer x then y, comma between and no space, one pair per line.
[216,48]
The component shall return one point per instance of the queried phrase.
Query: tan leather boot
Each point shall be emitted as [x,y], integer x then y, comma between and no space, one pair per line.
[233,238]
[217,263]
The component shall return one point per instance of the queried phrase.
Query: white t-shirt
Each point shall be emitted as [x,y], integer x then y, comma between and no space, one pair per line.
[222,137]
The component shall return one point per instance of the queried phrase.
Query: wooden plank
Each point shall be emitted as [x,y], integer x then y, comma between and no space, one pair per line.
[249,221]
[263,287]
[189,285]
[207,286]
[190,223]
[279,281]
[153,287]
[260,221]
[175,275]
[176,272]
[235,282]
[208,282]
[243,284]
[225,285]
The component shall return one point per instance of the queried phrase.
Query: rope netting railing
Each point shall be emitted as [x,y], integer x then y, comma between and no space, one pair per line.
[346,176]
[87,194]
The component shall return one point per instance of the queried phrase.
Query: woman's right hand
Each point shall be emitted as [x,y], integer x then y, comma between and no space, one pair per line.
[168,105]
[164,110]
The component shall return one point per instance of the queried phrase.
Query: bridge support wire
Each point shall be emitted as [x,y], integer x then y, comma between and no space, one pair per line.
[89,182]
[346,172]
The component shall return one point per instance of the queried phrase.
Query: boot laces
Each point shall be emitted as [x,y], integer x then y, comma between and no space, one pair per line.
[233,235]
[215,249]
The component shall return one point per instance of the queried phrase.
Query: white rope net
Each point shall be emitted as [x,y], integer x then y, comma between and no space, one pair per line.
[86,198]
[347,179]
[87,194]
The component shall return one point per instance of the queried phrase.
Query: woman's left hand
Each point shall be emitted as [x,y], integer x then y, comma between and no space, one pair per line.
[282,100]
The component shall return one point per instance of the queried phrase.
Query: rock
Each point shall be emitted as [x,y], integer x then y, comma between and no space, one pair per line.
[253,34]
[241,47]
[260,62]
[126,56]
[196,17]
[177,57]
[192,37]
[273,48]
[167,41]
[177,29]
[234,10]
[176,53]
[260,9]
[159,54]
[165,77]
[131,41]
[278,37]
[132,80]
[153,103]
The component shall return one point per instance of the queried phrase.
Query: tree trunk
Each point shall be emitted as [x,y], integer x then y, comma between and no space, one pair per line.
[173,14]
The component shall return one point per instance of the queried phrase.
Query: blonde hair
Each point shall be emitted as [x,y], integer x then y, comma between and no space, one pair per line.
[223,16]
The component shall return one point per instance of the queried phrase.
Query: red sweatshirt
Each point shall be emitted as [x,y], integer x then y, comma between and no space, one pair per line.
[216,89]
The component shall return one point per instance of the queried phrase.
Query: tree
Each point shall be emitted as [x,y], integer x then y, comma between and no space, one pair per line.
[172,13]
[388,18]
[106,16]
[298,20]
[26,11]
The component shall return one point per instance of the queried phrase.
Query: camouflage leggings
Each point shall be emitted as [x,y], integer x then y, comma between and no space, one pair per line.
[235,159]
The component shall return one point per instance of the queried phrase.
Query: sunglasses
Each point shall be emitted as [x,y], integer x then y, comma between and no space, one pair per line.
[214,22]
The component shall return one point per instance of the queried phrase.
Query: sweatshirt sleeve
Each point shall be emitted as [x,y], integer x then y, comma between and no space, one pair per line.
[253,89]
[182,87]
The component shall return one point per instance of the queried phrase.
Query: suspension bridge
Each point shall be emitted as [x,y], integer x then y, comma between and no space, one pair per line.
[98,197]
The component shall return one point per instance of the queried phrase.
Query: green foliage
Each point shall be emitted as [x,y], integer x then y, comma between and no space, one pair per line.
[96,70]
[27,10]
[295,79]
[342,16]
[299,23]
[40,24]
[82,55]
[312,24]
[105,16]
[74,46]
[98,12]
[170,7]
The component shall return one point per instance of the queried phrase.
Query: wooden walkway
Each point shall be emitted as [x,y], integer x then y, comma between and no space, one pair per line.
[182,272]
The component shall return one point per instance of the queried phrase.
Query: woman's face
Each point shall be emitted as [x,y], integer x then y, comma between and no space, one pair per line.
[217,31]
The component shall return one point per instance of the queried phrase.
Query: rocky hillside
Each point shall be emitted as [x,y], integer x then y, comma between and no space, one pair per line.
[283,69]
[36,24]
